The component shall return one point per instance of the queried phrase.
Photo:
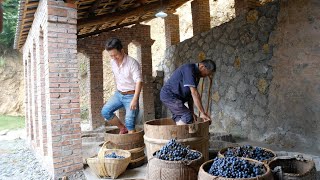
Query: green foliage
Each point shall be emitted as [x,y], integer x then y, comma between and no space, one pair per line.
[11,122]
[10,17]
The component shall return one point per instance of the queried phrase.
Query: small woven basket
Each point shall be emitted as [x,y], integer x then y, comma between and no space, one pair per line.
[115,167]
[109,167]
[97,166]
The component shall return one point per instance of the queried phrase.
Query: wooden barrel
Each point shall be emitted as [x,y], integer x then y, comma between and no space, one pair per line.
[173,170]
[204,175]
[132,142]
[223,150]
[158,132]
[284,168]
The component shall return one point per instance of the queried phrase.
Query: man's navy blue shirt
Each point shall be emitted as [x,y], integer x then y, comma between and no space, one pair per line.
[181,80]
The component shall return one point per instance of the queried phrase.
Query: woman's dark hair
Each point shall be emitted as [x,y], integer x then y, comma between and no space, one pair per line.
[114,43]
[209,64]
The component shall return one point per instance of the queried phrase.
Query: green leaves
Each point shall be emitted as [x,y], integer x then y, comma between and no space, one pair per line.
[10,17]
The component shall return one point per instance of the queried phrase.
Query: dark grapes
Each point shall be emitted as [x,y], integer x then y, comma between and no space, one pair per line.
[113,155]
[233,167]
[248,151]
[174,151]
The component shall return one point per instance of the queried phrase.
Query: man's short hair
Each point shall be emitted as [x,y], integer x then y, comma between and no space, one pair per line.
[114,43]
[209,64]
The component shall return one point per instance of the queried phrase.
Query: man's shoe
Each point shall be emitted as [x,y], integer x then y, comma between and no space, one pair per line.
[123,131]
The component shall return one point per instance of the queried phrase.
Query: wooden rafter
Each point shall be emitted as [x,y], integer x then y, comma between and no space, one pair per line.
[70,1]
[110,28]
[32,4]
[120,3]
[127,13]
[95,6]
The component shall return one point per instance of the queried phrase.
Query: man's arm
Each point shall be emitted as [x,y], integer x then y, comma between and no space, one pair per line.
[197,101]
[134,102]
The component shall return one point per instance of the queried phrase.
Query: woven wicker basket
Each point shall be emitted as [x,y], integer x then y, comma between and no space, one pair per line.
[204,175]
[115,167]
[97,166]
[109,167]
[223,150]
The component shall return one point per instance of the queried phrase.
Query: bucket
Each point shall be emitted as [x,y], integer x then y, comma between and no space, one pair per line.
[204,175]
[173,170]
[284,168]
[158,132]
[132,142]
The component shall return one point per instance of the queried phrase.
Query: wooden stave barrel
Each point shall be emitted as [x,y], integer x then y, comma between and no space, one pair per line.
[204,175]
[169,170]
[134,143]
[186,134]
[310,172]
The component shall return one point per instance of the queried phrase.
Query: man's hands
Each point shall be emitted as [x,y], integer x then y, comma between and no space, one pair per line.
[134,104]
[205,117]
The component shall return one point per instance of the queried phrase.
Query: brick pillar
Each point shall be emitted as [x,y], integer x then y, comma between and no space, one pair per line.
[200,16]
[32,96]
[62,89]
[96,88]
[147,91]
[35,97]
[30,116]
[41,97]
[172,31]
[26,96]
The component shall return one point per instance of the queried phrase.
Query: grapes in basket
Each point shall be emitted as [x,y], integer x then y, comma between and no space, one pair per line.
[113,155]
[233,167]
[249,151]
[174,151]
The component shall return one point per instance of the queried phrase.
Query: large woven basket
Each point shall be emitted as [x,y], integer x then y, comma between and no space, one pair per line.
[204,175]
[223,150]
[158,169]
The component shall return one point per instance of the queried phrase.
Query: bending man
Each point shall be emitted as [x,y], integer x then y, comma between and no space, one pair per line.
[182,87]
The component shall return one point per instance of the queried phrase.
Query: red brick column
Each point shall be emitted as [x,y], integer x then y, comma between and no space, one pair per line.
[27,100]
[172,33]
[200,16]
[34,81]
[41,96]
[147,91]
[96,87]
[62,89]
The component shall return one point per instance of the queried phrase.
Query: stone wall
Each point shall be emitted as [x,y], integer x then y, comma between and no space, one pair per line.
[263,89]
[294,99]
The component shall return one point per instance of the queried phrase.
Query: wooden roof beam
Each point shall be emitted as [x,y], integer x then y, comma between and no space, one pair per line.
[70,1]
[95,6]
[155,6]
[120,3]
[32,4]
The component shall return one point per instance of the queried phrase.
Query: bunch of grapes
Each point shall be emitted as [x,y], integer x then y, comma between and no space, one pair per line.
[248,151]
[113,155]
[233,167]
[174,151]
